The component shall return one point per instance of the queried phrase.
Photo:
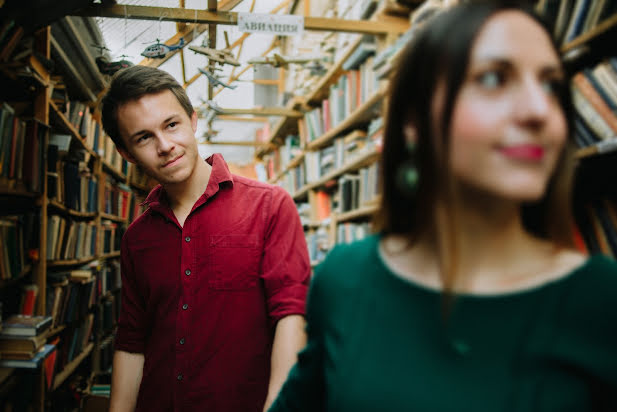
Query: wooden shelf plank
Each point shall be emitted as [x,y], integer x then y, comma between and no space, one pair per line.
[361,161]
[598,31]
[71,262]
[64,123]
[71,366]
[606,146]
[357,213]
[60,207]
[292,164]
[361,115]
[113,218]
[113,171]
[111,255]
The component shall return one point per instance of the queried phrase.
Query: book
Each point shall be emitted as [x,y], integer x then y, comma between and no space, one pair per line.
[33,363]
[23,325]
[10,343]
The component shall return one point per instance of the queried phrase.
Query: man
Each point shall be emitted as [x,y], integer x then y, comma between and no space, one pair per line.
[214,273]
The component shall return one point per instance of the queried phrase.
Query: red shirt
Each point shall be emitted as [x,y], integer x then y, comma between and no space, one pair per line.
[201,301]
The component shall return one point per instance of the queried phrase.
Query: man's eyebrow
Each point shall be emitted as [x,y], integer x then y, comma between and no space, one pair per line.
[141,132]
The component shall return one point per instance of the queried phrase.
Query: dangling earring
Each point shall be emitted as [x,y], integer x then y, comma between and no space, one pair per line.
[407,176]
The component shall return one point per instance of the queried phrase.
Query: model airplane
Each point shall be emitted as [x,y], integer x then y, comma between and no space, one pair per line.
[223,56]
[109,67]
[277,60]
[160,50]
[214,81]
[208,134]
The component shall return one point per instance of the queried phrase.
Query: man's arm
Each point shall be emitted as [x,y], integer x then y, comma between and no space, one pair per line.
[289,339]
[125,381]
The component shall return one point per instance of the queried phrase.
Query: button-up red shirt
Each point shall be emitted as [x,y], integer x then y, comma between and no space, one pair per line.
[201,301]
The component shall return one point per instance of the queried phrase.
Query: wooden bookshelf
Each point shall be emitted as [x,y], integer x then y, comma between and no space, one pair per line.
[6,190]
[64,124]
[71,366]
[323,87]
[65,210]
[113,171]
[361,212]
[8,282]
[284,126]
[71,262]
[142,188]
[606,146]
[361,161]
[295,162]
[113,218]
[361,115]
[111,255]
[606,28]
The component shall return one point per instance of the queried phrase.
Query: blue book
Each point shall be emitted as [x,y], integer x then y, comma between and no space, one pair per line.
[33,363]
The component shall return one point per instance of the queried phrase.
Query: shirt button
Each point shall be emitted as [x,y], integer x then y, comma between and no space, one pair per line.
[180,376]
[185,306]
[182,341]
[187,272]
[187,239]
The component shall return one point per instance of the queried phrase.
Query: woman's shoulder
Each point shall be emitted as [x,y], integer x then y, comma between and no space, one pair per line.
[347,265]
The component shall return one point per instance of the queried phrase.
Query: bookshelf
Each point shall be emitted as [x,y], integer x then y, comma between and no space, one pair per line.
[39,189]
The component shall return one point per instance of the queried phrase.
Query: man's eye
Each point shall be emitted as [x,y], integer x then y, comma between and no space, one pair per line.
[172,125]
[143,138]
[491,79]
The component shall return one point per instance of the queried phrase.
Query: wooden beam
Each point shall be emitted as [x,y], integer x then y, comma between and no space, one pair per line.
[180,27]
[235,143]
[231,118]
[81,84]
[263,111]
[188,33]
[212,6]
[231,18]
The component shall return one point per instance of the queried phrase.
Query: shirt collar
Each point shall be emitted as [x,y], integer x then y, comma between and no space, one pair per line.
[219,174]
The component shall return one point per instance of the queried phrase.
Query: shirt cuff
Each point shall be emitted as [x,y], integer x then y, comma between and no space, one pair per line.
[288,300]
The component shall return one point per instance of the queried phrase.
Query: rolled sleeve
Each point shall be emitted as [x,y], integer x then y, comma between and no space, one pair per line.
[286,268]
[130,336]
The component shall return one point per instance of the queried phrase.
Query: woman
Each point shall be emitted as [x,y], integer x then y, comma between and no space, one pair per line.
[471,296]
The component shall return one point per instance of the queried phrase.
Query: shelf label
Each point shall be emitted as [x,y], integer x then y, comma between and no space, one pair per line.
[286,25]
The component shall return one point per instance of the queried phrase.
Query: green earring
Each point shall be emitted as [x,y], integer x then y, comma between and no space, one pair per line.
[407,176]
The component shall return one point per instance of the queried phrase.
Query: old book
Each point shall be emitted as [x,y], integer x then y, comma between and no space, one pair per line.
[24,325]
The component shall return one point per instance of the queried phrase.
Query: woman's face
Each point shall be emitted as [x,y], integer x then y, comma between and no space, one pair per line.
[507,127]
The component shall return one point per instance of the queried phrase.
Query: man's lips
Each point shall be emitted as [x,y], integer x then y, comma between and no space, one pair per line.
[529,152]
[173,161]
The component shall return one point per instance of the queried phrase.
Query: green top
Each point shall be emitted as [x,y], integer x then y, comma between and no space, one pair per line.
[377,342]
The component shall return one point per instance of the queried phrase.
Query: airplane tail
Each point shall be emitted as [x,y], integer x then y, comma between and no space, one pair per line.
[280,62]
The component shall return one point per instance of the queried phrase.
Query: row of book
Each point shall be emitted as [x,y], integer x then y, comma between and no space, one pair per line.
[116,198]
[352,89]
[21,149]
[351,231]
[594,93]
[70,295]
[18,243]
[111,236]
[575,17]
[597,222]
[70,239]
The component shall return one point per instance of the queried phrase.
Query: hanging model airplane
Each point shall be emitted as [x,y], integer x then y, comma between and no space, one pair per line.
[215,81]
[160,50]
[277,60]
[109,67]
[223,56]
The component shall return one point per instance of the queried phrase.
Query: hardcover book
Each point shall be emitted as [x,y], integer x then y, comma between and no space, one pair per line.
[23,325]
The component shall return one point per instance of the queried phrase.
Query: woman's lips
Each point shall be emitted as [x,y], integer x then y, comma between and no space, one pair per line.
[528,152]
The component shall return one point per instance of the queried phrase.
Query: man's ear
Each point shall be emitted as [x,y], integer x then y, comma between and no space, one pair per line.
[194,121]
[126,155]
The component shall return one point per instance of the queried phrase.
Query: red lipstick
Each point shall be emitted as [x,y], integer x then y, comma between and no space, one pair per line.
[528,152]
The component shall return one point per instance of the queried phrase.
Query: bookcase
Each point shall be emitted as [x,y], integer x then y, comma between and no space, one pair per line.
[66,198]
[328,159]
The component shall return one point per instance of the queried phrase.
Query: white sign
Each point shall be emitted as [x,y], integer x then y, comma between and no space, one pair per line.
[286,25]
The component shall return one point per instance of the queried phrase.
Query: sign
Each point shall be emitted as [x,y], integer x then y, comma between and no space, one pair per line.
[286,25]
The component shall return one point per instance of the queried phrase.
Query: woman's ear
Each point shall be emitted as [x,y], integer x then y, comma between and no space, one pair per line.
[411,133]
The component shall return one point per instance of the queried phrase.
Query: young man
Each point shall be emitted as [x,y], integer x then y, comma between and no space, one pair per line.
[214,273]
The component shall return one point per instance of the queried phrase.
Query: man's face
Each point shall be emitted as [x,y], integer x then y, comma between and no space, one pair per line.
[159,136]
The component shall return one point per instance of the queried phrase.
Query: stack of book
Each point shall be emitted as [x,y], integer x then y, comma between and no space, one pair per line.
[22,341]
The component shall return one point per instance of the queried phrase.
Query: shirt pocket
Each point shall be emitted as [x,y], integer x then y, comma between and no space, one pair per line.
[234,262]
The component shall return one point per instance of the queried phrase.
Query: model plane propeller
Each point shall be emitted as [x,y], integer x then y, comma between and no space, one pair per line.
[160,50]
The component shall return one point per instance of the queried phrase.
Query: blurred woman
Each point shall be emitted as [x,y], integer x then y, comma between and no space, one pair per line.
[471,296]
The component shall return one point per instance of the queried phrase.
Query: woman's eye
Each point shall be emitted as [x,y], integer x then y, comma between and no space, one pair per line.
[491,79]
[553,86]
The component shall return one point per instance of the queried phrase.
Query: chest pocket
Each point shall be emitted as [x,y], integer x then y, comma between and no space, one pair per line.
[234,262]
